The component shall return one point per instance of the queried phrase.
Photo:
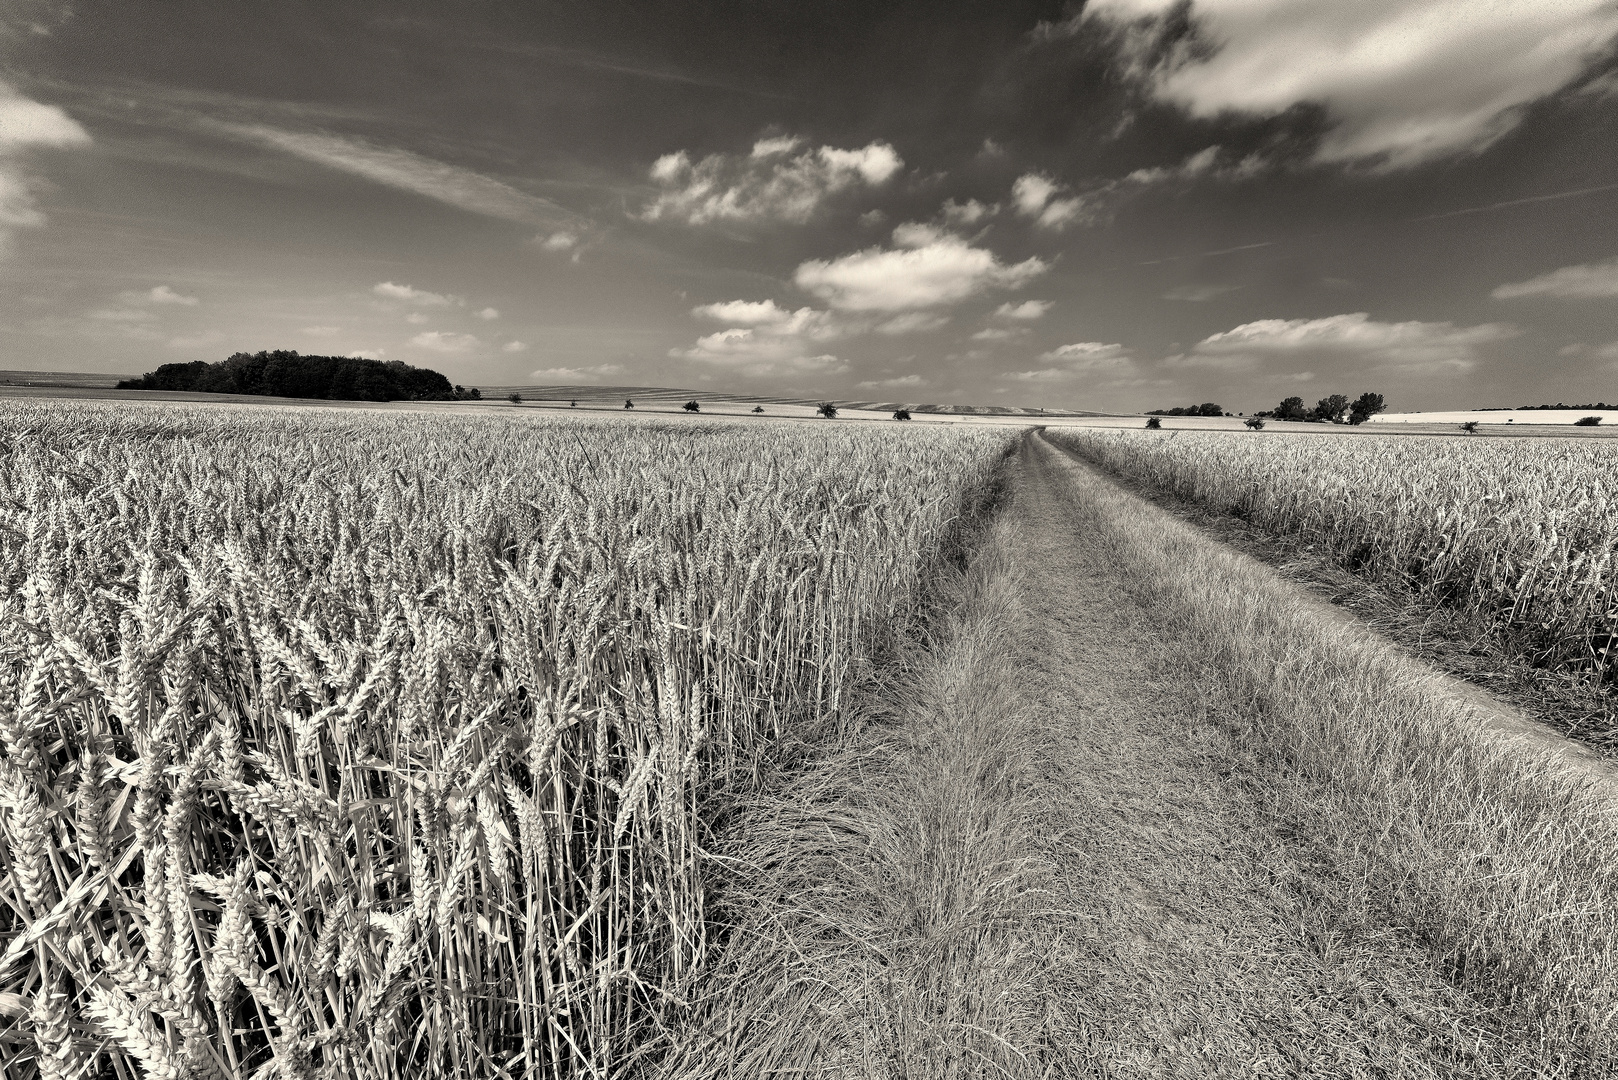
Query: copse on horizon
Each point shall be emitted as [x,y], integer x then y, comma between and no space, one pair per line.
[286,373]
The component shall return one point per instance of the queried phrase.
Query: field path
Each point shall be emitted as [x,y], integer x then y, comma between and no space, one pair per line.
[1188,936]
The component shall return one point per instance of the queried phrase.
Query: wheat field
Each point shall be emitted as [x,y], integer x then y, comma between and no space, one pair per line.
[1521,534]
[384,745]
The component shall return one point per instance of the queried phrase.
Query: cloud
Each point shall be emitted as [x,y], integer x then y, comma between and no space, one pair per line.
[514,347]
[1587,281]
[320,331]
[1403,81]
[1198,294]
[407,171]
[420,297]
[1034,196]
[999,333]
[914,322]
[27,125]
[489,313]
[559,241]
[1083,359]
[1410,347]
[446,342]
[1026,311]
[962,215]
[943,270]
[766,185]
[564,375]
[898,382]
[160,294]
[415,318]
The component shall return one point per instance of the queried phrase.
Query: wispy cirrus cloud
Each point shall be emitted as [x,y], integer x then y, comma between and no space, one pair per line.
[1356,339]
[406,170]
[26,126]
[772,183]
[1583,282]
[1082,360]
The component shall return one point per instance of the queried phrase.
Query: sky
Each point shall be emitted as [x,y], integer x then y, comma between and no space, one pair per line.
[1119,205]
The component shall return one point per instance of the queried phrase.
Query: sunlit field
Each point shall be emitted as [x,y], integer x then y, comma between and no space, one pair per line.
[373,743]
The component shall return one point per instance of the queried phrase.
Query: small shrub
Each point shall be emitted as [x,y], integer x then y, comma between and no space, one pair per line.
[692,406]
[1587,421]
[1254,423]
[628,404]
[1153,423]
[758,408]
[901,414]
[573,404]
[1470,427]
[827,409]
[515,399]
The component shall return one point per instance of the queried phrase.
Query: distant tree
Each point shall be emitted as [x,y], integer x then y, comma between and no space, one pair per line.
[573,404]
[1332,409]
[1365,406]
[1153,423]
[287,373]
[758,408]
[628,404]
[515,399]
[1587,421]
[1291,409]
[691,406]
[1208,408]
[1470,427]
[827,409]
[901,414]
[1255,423]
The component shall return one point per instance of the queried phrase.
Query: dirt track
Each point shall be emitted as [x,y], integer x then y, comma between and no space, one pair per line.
[1189,935]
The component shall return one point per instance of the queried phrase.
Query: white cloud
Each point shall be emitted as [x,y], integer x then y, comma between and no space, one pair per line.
[446,342]
[943,271]
[913,234]
[489,313]
[763,338]
[565,375]
[321,331]
[962,215]
[766,185]
[1405,81]
[559,241]
[999,333]
[1035,197]
[407,171]
[162,294]
[514,346]
[1198,294]
[420,297]
[1082,359]
[1026,311]
[898,382]
[415,318]
[1412,347]
[26,125]
[912,322]
[1587,281]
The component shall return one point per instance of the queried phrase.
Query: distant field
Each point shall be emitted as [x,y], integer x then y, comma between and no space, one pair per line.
[65,379]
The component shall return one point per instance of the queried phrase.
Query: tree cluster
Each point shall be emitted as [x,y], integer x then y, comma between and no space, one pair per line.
[1332,409]
[285,373]
[1207,408]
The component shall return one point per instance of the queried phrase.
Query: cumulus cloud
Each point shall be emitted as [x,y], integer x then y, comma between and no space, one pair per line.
[559,241]
[514,346]
[446,342]
[489,313]
[25,126]
[1411,347]
[1404,81]
[1080,360]
[763,338]
[1035,196]
[1587,281]
[564,375]
[451,185]
[999,333]
[769,184]
[419,297]
[1026,311]
[939,269]
[963,215]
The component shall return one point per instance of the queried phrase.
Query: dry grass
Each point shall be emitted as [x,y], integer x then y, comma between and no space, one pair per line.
[343,744]
[1498,862]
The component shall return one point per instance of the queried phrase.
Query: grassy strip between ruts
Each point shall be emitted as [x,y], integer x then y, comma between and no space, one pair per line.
[1499,861]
